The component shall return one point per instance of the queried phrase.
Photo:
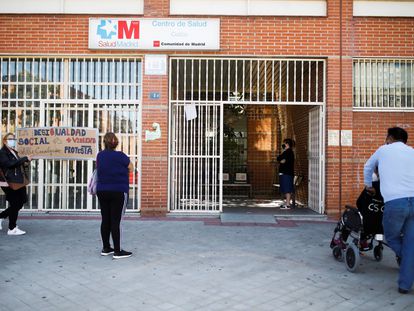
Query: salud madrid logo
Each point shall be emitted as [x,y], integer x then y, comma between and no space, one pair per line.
[117,33]
[107,29]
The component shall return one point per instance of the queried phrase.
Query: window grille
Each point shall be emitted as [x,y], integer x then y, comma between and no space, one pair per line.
[383,84]
[248,80]
[104,93]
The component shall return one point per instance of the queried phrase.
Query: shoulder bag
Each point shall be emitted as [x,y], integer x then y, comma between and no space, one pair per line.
[3,181]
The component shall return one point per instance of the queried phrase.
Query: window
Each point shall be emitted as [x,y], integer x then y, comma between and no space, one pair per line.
[383,8]
[249,7]
[73,6]
[383,84]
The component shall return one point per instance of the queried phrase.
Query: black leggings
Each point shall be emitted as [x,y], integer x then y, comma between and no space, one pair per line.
[16,199]
[113,206]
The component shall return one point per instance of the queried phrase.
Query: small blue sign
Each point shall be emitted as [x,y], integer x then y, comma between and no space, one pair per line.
[154,95]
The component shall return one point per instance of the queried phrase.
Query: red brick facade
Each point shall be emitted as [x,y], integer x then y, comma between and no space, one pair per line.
[250,36]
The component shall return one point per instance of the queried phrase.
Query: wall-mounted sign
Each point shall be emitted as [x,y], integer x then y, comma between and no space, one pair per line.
[155,64]
[76,143]
[154,34]
[154,95]
[333,137]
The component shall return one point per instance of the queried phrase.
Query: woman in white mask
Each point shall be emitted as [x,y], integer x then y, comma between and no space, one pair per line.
[12,166]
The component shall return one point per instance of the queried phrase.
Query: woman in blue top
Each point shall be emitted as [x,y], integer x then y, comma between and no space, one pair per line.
[112,190]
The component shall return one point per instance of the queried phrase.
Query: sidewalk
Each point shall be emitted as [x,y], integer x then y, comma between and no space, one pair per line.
[189,264]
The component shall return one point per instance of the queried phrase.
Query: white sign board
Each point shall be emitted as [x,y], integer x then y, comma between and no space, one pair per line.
[346,138]
[333,137]
[154,34]
[156,64]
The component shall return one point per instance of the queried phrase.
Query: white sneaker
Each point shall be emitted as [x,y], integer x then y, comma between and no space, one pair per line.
[285,207]
[16,231]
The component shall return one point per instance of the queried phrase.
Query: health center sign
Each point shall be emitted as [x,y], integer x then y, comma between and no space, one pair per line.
[154,34]
[73,143]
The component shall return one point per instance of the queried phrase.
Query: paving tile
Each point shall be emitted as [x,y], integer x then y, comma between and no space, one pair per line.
[189,265]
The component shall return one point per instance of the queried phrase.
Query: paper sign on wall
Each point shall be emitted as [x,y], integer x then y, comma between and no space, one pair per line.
[155,134]
[190,112]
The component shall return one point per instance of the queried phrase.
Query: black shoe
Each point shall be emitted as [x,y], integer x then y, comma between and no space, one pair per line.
[122,254]
[107,251]
[402,291]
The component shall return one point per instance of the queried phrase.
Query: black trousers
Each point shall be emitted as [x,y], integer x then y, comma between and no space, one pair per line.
[16,199]
[113,206]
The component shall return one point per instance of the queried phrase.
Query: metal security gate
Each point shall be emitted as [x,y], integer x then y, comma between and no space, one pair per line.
[98,92]
[195,158]
[206,85]
[62,183]
[316,157]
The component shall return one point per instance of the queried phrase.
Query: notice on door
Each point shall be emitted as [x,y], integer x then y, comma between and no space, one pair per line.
[70,143]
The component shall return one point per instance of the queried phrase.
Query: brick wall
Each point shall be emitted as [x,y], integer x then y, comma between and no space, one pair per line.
[260,36]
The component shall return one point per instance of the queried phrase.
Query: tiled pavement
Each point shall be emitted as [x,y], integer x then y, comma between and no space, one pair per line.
[189,264]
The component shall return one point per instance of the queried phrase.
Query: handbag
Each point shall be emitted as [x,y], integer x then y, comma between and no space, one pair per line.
[3,181]
[17,185]
[93,182]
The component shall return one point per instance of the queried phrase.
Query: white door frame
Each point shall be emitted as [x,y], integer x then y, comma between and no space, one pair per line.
[316,197]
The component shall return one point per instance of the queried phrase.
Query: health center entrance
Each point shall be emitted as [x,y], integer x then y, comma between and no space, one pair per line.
[228,118]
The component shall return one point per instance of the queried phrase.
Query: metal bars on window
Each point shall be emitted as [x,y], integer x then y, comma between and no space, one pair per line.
[48,91]
[248,80]
[64,181]
[383,84]
[108,78]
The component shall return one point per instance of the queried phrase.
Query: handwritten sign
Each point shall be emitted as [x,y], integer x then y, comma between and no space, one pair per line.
[72,143]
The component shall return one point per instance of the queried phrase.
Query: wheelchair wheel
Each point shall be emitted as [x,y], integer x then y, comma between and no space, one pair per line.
[337,253]
[378,252]
[352,257]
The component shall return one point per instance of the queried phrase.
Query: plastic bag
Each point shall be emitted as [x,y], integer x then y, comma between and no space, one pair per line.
[93,182]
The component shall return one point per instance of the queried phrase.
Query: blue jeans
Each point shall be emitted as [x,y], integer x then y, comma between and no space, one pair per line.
[398,222]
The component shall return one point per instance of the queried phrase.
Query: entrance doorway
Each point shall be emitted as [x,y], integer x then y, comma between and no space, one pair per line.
[243,110]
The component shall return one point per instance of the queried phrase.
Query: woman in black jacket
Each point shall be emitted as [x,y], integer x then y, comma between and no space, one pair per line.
[12,167]
[286,171]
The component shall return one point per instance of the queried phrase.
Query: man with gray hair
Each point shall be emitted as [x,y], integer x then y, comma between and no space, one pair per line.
[395,163]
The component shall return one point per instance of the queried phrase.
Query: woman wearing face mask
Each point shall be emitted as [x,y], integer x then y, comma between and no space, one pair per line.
[12,167]
[286,171]
[113,169]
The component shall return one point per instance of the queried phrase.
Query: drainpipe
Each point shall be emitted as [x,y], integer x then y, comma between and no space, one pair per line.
[340,107]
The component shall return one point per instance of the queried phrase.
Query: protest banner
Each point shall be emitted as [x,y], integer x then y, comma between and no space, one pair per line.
[70,143]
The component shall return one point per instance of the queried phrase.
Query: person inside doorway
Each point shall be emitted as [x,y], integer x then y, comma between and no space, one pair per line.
[286,171]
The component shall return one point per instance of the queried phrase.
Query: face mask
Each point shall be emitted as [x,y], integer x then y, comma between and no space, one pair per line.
[283,146]
[11,143]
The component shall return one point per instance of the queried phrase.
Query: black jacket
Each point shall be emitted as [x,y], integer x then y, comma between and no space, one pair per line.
[287,168]
[12,167]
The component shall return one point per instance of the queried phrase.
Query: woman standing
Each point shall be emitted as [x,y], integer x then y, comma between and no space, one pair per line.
[286,171]
[13,168]
[112,190]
